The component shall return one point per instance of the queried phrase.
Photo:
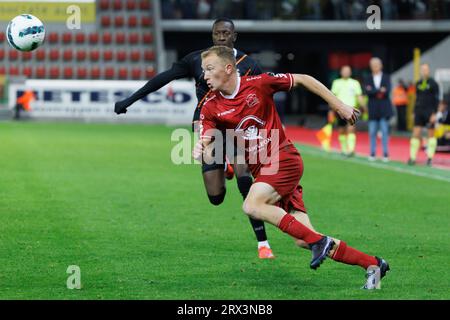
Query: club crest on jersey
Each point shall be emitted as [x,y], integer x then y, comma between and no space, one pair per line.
[249,128]
[252,100]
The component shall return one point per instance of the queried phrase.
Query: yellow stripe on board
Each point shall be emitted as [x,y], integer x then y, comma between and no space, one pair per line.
[47,11]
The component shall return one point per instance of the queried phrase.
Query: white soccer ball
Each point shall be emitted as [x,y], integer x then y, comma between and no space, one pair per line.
[25,32]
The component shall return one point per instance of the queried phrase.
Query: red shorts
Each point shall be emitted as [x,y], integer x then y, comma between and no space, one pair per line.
[285,178]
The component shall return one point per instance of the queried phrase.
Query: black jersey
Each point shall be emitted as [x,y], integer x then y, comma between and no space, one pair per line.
[427,96]
[191,67]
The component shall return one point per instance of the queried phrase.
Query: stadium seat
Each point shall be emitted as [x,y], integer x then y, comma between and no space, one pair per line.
[27,71]
[145,4]
[81,73]
[106,38]
[68,73]
[81,55]
[13,71]
[2,54]
[136,73]
[54,55]
[104,4]
[105,21]
[41,72]
[109,73]
[132,21]
[2,70]
[121,56]
[360,60]
[150,72]
[146,21]
[40,55]
[123,73]
[149,55]
[2,37]
[68,55]
[107,55]
[53,37]
[131,4]
[80,38]
[117,5]
[147,38]
[133,38]
[94,55]
[67,38]
[95,72]
[54,72]
[26,56]
[120,38]
[93,38]
[13,55]
[119,21]
[135,56]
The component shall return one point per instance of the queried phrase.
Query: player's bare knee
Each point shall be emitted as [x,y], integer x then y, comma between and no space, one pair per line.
[218,199]
[251,208]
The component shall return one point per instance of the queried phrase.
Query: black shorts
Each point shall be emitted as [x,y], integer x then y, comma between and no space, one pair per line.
[422,119]
[220,164]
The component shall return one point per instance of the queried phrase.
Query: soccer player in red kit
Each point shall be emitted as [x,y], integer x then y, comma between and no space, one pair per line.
[245,106]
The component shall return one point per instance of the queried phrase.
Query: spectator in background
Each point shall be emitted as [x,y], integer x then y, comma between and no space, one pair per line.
[280,104]
[400,101]
[405,9]
[427,101]
[188,8]
[377,87]
[349,91]
[23,103]
[389,9]
[443,127]
[168,9]
[203,9]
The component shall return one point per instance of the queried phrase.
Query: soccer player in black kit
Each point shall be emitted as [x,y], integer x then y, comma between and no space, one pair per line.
[427,101]
[223,33]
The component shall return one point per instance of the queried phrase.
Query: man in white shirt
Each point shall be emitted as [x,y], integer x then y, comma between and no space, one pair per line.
[378,87]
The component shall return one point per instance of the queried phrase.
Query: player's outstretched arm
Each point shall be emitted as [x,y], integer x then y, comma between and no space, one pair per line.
[180,69]
[152,85]
[344,111]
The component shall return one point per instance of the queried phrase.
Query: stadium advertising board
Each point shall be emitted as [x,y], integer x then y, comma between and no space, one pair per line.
[94,100]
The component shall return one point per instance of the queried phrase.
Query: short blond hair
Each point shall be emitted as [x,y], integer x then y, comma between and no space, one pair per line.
[224,53]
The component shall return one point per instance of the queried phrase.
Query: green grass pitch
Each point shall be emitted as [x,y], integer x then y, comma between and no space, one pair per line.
[108,199]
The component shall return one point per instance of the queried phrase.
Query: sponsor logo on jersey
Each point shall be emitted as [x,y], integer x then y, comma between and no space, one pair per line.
[253,78]
[249,127]
[221,114]
[277,75]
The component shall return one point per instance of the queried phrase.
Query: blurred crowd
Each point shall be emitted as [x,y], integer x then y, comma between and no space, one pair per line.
[304,9]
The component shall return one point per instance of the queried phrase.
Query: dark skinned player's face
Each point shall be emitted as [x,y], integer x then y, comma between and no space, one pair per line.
[223,34]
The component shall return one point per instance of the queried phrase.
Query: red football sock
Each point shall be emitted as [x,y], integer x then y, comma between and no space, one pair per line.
[349,255]
[298,230]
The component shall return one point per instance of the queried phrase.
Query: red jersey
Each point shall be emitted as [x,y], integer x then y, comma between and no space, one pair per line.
[250,111]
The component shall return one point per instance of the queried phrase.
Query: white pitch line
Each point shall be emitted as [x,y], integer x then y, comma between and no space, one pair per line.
[335,156]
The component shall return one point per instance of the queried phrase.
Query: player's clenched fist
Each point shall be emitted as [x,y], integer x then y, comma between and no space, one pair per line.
[198,151]
[348,113]
[120,107]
